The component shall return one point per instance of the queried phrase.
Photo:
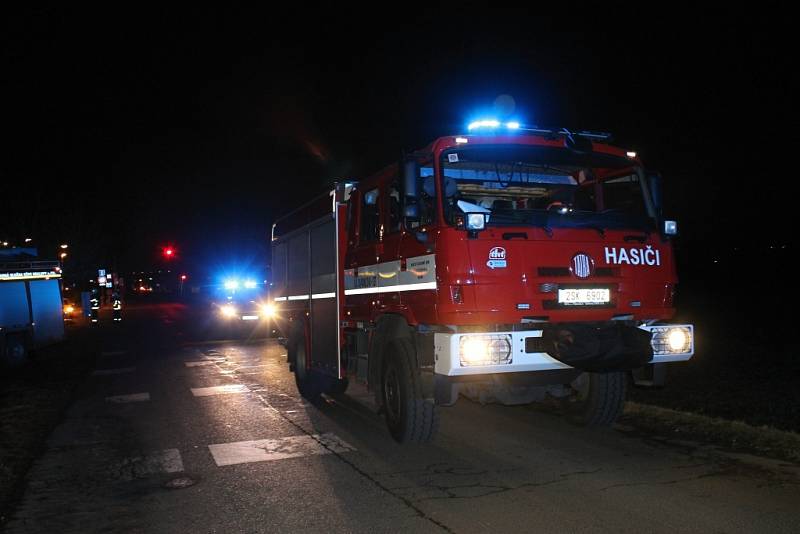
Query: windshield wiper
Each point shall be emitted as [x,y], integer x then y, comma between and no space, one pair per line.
[600,229]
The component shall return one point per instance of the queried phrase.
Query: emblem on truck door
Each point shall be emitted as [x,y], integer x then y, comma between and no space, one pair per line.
[582,265]
[497,258]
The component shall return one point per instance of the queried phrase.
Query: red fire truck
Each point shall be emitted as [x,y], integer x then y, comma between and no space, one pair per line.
[509,265]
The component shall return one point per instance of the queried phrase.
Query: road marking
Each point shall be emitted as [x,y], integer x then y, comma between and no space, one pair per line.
[219,390]
[106,372]
[133,397]
[266,450]
[154,463]
[199,363]
[113,352]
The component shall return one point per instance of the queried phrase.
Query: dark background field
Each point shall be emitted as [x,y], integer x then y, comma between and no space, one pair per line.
[742,303]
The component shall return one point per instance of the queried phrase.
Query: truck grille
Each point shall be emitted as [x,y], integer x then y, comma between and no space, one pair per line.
[562,272]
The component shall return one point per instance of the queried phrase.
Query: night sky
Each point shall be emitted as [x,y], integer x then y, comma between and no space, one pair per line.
[128,130]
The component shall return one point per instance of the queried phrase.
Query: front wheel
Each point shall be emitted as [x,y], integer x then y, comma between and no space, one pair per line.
[599,399]
[410,417]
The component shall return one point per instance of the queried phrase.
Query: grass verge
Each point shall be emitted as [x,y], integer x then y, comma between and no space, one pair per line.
[731,435]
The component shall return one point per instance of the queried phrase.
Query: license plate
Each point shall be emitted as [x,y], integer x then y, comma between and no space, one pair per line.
[584,296]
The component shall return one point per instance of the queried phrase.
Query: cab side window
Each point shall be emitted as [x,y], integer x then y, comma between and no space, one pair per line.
[395,215]
[370,216]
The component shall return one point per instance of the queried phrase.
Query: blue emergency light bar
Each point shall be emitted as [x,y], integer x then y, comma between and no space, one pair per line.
[233,284]
[495,126]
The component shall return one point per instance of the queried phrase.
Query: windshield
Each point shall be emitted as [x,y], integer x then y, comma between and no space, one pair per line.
[544,186]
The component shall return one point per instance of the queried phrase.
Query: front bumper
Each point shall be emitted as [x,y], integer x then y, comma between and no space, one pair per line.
[524,357]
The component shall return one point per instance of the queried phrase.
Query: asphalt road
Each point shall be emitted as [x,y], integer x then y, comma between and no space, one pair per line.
[177,432]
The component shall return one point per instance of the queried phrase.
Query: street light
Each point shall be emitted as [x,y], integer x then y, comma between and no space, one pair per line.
[63,255]
[64,246]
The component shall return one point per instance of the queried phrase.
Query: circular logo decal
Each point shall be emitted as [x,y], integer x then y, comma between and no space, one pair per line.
[582,265]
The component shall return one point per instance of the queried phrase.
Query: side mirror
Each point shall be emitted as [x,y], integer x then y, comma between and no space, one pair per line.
[411,178]
[411,212]
[476,221]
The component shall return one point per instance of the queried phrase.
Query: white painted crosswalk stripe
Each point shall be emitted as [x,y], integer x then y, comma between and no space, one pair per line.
[154,463]
[133,397]
[219,390]
[199,363]
[106,372]
[265,450]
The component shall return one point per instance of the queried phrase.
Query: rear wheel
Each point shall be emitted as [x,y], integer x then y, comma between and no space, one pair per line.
[15,353]
[410,417]
[309,383]
[598,400]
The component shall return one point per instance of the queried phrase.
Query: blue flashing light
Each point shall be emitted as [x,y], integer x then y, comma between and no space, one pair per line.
[231,284]
[486,123]
[493,124]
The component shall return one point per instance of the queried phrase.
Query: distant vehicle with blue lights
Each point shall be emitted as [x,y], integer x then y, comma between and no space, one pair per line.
[242,299]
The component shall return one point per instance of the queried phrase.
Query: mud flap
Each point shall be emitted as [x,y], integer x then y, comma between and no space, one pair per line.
[599,348]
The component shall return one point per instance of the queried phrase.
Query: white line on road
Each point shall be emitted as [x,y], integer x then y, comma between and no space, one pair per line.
[106,372]
[199,363]
[133,397]
[219,390]
[266,450]
[166,461]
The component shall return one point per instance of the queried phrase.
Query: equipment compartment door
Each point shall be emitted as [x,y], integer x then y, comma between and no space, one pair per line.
[48,315]
[324,316]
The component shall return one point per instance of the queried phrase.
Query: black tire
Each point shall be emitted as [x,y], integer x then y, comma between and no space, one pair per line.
[337,386]
[599,399]
[309,383]
[410,417]
[15,352]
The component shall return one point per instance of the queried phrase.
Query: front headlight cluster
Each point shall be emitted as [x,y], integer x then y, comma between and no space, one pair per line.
[228,310]
[672,340]
[484,349]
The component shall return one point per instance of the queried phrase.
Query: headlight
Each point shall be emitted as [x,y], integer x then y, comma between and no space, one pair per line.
[228,310]
[672,340]
[484,349]
[476,221]
[68,309]
[268,310]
